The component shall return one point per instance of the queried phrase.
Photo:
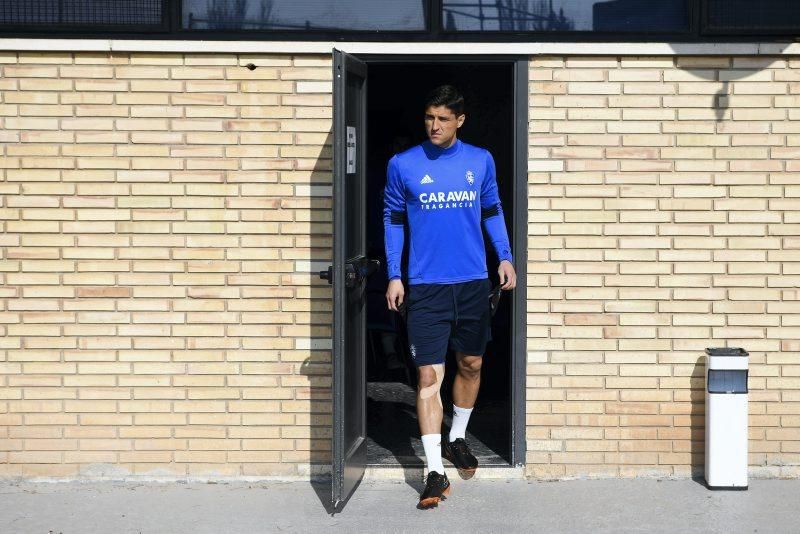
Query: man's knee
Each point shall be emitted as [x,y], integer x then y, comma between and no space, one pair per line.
[429,380]
[470,366]
[426,377]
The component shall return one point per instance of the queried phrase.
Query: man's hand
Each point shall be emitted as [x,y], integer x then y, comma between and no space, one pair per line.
[396,293]
[508,277]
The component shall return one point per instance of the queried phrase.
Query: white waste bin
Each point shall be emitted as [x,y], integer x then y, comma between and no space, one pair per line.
[726,418]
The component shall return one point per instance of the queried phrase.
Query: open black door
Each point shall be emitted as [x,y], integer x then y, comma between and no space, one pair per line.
[348,275]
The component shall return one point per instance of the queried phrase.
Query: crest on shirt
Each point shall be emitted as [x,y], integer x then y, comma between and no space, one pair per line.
[470,177]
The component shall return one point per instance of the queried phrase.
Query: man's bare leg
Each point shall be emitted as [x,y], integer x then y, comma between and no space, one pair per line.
[465,392]
[468,380]
[429,413]
[429,399]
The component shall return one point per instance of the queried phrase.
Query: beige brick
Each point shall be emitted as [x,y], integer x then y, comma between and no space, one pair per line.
[167,299]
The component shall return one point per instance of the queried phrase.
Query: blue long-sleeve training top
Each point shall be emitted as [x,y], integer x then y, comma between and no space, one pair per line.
[444,194]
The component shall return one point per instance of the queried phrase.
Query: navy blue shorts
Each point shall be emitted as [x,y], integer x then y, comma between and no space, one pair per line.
[439,315]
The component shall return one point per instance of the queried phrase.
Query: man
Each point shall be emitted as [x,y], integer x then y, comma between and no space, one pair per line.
[444,189]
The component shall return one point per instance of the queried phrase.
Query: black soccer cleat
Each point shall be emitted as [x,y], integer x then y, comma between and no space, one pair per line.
[437,488]
[462,458]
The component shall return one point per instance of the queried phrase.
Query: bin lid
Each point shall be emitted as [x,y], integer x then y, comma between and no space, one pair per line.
[726,351]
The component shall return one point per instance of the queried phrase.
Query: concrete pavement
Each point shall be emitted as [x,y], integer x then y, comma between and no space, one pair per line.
[639,505]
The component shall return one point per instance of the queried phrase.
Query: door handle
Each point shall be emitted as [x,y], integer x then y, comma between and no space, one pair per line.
[355,272]
[362,271]
[352,276]
[369,267]
[327,274]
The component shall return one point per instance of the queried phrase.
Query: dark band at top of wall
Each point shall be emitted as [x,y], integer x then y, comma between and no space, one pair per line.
[409,20]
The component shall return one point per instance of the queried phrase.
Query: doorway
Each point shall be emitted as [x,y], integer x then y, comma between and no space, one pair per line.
[394,101]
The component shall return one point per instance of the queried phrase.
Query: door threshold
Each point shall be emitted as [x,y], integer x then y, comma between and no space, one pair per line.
[400,473]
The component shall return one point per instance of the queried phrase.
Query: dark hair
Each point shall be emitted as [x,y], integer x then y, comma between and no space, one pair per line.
[448,96]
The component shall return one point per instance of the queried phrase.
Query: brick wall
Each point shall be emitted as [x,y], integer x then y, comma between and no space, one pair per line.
[161,215]
[160,218]
[664,218]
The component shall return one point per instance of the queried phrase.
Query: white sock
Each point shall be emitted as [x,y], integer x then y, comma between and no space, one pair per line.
[433,452]
[460,420]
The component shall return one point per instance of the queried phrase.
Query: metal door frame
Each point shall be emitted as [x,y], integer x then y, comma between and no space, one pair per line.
[519,234]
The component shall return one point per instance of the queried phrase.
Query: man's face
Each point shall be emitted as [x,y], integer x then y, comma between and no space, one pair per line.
[441,125]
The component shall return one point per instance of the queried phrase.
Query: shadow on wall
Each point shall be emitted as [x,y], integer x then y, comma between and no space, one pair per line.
[314,243]
[316,348]
[728,73]
[698,421]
